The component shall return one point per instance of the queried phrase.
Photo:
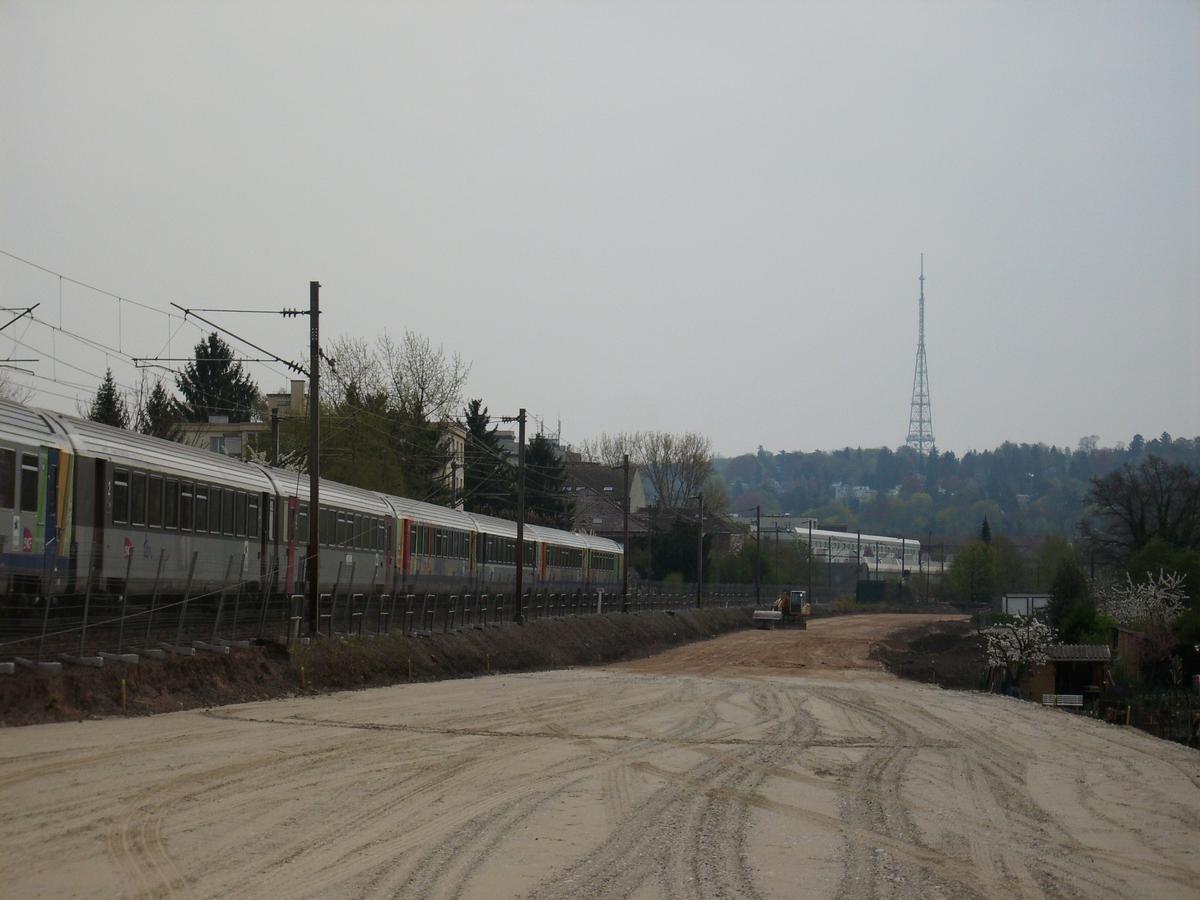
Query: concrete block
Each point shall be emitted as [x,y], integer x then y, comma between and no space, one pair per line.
[177,650]
[211,648]
[38,666]
[129,658]
[151,653]
[94,662]
[236,644]
[8,668]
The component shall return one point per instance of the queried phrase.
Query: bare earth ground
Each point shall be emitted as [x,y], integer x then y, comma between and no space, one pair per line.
[760,764]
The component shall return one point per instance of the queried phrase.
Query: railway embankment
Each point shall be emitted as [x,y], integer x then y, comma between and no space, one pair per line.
[268,671]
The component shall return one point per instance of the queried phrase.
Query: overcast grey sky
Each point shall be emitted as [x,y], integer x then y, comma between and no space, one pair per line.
[636,215]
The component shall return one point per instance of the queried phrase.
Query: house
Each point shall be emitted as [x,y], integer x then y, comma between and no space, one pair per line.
[597,492]
[1070,669]
[220,435]
[1023,604]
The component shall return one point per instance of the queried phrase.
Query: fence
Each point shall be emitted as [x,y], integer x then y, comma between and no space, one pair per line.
[88,619]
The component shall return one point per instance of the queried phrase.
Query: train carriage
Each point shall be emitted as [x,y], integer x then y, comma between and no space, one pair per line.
[436,546]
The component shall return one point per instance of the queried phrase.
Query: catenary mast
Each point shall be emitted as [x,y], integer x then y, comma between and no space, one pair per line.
[920,421]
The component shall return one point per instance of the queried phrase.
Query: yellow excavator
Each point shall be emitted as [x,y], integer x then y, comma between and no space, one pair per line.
[790,610]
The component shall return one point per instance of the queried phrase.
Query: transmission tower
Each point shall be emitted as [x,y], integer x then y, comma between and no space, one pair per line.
[920,421]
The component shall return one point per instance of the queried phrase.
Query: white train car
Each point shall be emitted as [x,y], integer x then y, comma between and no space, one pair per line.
[877,553]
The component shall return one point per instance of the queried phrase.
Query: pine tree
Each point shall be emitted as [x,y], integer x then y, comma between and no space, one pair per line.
[546,502]
[216,385]
[161,414]
[985,532]
[489,477]
[108,406]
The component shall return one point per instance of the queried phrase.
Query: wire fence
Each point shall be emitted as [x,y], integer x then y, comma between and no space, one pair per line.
[77,617]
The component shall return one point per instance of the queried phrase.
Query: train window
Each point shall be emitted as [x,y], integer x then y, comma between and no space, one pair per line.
[29,482]
[381,537]
[214,510]
[360,533]
[202,507]
[154,508]
[137,499]
[228,504]
[239,514]
[252,516]
[120,496]
[302,520]
[8,479]
[185,506]
[171,505]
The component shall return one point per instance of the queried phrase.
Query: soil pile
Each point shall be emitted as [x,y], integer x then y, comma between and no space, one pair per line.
[949,654]
[269,671]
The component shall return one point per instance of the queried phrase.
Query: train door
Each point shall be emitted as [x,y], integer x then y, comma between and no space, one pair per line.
[266,545]
[46,536]
[290,537]
[543,552]
[101,503]
[407,552]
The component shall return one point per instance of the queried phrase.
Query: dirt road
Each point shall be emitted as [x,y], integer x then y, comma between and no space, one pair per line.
[700,773]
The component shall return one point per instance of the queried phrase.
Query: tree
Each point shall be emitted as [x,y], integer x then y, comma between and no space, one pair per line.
[109,407]
[546,501]
[1071,611]
[489,480]
[13,391]
[985,531]
[214,385]
[677,465]
[973,574]
[1130,507]
[160,415]
[1016,645]
[1152,605]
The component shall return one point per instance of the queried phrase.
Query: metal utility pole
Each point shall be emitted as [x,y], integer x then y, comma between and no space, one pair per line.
[314,456]
[519,616]
[274,436]
[757,554]
[810,561]
[700,553]
[625,545]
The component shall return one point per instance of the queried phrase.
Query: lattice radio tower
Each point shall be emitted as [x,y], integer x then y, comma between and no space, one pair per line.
[920,421]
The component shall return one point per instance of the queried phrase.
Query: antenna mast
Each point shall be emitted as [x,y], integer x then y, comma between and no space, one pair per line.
[920,421]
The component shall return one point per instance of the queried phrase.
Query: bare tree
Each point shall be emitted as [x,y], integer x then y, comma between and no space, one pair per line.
[13,391]
[422,380]
[1130,507]
[677,465]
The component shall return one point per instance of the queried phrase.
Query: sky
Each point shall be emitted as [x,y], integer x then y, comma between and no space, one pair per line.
[630,215]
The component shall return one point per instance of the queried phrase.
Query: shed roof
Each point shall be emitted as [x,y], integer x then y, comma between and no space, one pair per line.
[1079,652]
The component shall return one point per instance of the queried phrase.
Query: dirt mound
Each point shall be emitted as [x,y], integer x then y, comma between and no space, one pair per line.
[269,671]
[949,654]
[152,686]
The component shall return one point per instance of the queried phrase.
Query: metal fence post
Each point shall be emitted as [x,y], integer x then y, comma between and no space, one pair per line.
[221,599]
[187,595]
[153,598]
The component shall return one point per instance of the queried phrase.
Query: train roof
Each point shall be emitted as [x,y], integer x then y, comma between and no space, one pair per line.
[432,514]
[136,450]
[291,483]
[28,425]
[854,536]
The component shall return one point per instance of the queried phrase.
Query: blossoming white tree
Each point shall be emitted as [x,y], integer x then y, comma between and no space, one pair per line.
[1017,644]
[1158,601]
[1152,606]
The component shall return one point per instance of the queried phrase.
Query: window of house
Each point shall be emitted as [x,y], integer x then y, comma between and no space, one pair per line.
[137,499]
[154,509]
[29,482]
[8,479]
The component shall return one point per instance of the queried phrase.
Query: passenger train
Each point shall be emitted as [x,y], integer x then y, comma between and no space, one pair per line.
[877,553]
[76,496]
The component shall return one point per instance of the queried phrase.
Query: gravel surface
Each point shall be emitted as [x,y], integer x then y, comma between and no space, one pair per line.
[759,764]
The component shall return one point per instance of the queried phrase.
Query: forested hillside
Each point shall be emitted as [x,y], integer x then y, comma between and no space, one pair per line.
[1022,489]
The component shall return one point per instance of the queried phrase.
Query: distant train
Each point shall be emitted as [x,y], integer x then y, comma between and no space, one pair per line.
[86,500]
[885,555]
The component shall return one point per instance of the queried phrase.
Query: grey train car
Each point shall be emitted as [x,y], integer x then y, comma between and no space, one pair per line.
[81,500]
